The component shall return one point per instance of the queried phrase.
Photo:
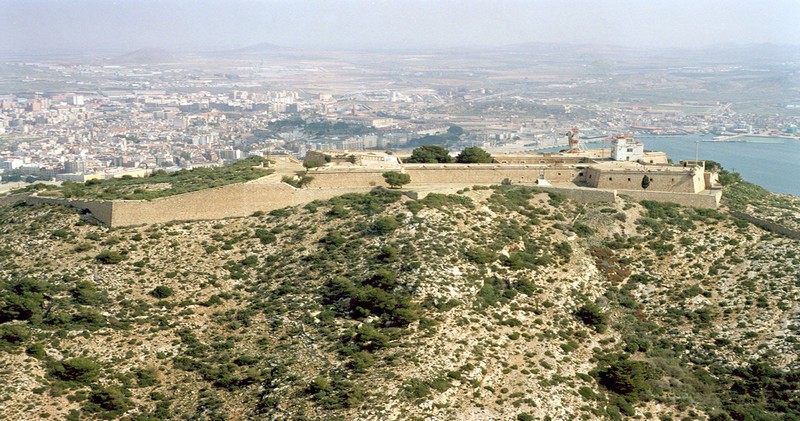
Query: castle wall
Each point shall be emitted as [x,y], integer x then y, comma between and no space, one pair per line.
[231,201]
[666,181]
[709,200]
[13,198]
[238,200]
[324,178]
[424,174]
[100,209]
[433,174]
[584,195]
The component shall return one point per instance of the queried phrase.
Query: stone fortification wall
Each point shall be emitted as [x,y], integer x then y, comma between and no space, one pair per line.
[100,209]
[435,174]
[426,174]
[238,200]
[768,225]
[353,177]
[235,200]
[708,200]
[584,195]
[666,181]
[231,201]
[13,198]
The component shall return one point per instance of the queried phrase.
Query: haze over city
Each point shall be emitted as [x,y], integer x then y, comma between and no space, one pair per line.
[94,25]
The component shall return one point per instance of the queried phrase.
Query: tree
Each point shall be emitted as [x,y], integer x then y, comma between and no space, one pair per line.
[474,155]
[626,377]
[430,154]
[591,315]
[645,182]
[79,370]
[395,179]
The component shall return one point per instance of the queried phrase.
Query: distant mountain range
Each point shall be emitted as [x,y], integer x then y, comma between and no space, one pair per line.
[146,56]
[730,53]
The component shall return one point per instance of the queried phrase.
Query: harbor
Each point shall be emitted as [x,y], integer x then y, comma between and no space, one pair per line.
[751,138]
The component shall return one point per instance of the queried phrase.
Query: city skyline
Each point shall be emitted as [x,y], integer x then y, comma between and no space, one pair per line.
[92,25]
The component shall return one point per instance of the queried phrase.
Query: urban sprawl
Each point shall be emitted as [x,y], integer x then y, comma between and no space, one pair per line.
[141,119]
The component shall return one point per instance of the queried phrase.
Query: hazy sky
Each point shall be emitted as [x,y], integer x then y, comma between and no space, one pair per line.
[208,25]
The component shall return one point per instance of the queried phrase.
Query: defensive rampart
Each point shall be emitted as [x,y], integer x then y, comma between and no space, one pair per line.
[768,225]
[433,174]
[238,200]
[100,209]
[234,200]
[325,178]
[706,199]
[665,180]
[584,195]
[12,199]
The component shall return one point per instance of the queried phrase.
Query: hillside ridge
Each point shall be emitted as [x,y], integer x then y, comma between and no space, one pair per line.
[502,302]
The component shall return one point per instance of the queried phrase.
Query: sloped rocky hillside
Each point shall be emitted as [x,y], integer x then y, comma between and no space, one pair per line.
[494,303]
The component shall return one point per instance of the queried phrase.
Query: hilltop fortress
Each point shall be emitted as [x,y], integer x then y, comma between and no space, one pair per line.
[622,169]
[595,175]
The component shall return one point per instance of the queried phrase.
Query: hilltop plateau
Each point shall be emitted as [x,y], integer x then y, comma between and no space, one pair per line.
[493,303]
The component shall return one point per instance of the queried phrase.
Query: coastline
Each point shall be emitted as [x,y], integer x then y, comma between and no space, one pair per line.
[741,137]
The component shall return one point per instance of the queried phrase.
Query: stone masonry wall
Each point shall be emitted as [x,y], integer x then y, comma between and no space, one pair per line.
[431,174]
[703,200]
[584,195]
[240,200]
[100,209]
[353,177]
[236,200]
[13,198]
[681,182]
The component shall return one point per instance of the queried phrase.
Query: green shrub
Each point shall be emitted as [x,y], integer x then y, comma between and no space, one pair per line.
[385,225]
[591,315]
[12,336]
[78,370]
[111,399]
[396,179]
[480,255]
[22,299]
[161,292]
[625,377]
[109,257]
[85,293]
[265,236]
